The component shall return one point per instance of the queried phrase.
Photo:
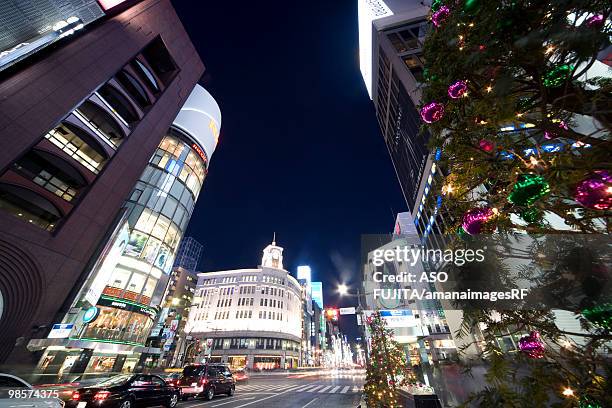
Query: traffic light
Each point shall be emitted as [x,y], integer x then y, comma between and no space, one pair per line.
[332,314]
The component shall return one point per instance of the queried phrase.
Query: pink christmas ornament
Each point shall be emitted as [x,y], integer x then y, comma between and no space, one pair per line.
[595,191]
[532,345]
[432,112]
[595,21]
[457,90]
[439,16]
[474,219]
[486,145]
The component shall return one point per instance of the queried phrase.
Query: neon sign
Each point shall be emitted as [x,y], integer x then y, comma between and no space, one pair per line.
[199,151]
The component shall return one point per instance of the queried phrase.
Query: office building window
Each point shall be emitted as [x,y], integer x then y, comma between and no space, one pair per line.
[101,122]
[78,145]
[119,103]
[29,206]
[50,172]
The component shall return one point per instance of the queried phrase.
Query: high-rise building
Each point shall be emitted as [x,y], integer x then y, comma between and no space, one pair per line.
[391,35]
[247,317]
[92,113]
[188,254]
[420,325]
[118,304]
[179,295]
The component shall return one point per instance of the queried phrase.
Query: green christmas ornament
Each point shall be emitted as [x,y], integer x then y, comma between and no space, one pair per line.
[463,235]
[470,5]
[556,76]
[528,189]
[587,402]
[532,215]
[436,4]
[600,315]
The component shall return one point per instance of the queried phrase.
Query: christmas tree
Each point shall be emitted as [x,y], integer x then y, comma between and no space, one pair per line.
[514,100]
[518,101]
[387,369]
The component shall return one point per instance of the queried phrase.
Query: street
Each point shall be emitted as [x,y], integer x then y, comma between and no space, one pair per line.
[325,388]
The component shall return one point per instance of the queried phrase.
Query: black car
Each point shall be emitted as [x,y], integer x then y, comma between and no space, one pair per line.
[126,391]
[206,380]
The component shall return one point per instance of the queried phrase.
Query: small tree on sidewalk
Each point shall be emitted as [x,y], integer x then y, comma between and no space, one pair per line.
[387,370]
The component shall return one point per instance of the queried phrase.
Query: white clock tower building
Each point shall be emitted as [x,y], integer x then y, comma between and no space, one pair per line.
[272,256]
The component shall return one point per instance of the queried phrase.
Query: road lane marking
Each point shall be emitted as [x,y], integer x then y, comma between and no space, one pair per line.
[310,402]
[345,389]
[259,400]
[336,388]
[355,388]
[314,389]
[324,389]
[234,400]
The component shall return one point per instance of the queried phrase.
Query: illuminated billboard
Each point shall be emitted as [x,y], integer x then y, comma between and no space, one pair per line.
[317,293]
[304,273]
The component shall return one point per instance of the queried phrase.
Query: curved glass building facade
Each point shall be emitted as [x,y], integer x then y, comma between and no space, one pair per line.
[119,304]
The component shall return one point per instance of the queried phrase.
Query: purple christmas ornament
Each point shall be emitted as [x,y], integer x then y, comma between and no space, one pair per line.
[595,191]
[457,90]
[439,16]
[432,112]
[474,219]
[532,345]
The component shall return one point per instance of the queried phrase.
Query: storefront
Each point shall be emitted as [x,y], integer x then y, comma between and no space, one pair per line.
[237,362]
[261,363]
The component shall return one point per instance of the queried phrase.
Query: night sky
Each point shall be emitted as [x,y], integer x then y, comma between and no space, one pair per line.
[300,152]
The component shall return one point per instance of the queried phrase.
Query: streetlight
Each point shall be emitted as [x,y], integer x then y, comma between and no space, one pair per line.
[342,289]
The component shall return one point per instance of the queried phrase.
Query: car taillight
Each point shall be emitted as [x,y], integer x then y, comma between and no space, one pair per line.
[101,395]
[76,396]
[203,381]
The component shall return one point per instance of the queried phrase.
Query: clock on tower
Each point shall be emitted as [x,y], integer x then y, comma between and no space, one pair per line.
[273,255]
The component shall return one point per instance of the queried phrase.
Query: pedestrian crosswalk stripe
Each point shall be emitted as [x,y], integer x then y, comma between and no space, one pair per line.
[310,387]
[305,387]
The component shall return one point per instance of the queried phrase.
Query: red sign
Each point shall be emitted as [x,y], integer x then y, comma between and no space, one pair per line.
[199,151]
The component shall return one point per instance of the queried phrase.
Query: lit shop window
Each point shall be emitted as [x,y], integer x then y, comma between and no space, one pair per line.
[78,145]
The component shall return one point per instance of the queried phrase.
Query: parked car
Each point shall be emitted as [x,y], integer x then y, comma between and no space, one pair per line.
[171,378]
[16,392]
[241,375]
[206,380]
[126,391]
